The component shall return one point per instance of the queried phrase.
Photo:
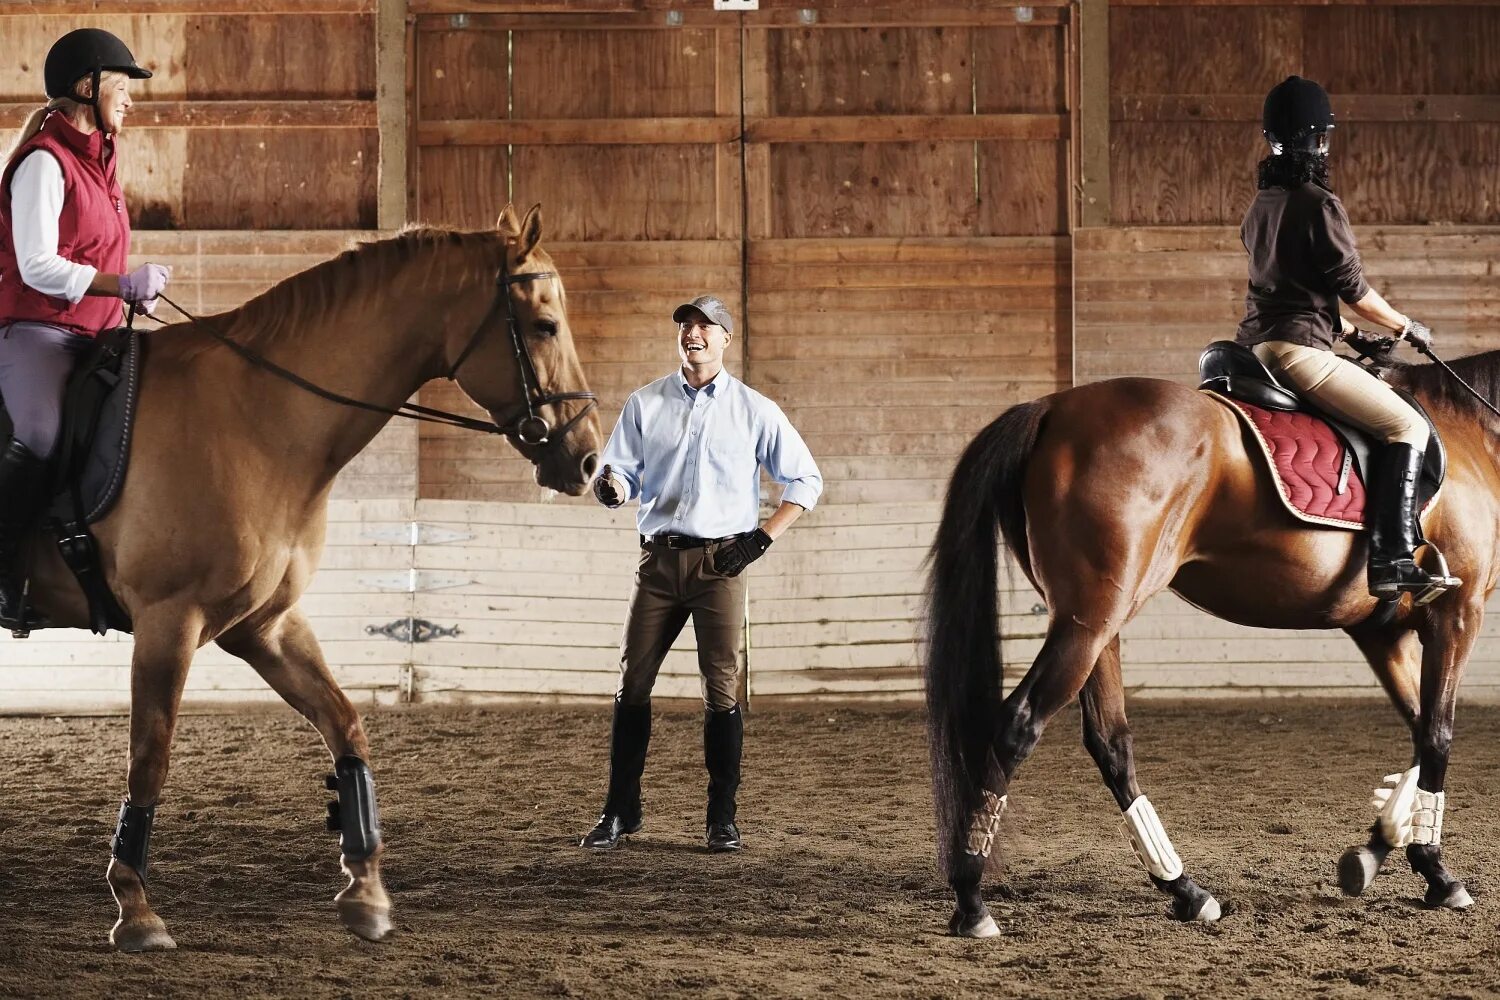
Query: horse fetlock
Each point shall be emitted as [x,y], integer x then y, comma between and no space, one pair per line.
[1148,838]
[138,928]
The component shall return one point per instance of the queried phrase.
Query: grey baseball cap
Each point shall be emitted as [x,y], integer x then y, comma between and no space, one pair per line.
[709,305]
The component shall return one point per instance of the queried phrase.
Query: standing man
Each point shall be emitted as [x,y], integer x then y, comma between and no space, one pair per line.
[691,446]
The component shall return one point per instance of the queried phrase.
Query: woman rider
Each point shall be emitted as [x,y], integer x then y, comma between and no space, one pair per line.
[64,239]
[1303,261]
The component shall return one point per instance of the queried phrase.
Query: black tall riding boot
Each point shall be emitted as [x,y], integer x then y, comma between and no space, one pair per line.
[628,739]
[22,495]
[723,741]
[1393,525]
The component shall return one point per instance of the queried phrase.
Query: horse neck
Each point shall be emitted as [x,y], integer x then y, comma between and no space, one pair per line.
[378,343]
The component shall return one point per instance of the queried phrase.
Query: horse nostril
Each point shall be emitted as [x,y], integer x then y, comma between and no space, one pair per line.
[590,464]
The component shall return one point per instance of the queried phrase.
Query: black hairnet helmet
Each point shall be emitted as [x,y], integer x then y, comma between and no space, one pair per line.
[1296,114]
[87,52]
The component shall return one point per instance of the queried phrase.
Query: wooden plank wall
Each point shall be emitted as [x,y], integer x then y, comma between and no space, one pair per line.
[254,119]
[1415,87]
[638,182]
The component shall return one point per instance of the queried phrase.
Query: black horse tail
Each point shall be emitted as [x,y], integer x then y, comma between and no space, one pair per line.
[963,668]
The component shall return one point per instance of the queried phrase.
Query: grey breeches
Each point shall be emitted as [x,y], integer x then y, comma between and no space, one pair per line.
[35,361]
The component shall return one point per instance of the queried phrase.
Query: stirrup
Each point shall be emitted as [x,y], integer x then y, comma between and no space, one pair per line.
[1425,582]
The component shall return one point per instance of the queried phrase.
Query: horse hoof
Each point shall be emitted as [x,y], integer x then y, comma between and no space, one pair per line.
[1209,912]
[146,934]
[973,925]
[373,923]
[1357,869]
[1449,897]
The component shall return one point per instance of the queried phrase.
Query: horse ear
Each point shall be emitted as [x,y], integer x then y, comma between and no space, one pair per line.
[531,232]
[507,223]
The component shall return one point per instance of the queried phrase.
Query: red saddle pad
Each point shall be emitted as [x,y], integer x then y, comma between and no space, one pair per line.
[1307,460]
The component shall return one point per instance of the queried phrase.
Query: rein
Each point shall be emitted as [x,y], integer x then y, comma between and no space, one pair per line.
[528,426]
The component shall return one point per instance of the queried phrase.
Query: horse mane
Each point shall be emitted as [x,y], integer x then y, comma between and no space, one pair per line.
[1431,384]
[309,297]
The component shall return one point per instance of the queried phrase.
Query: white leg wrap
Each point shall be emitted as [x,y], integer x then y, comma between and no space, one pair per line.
[1149,840]
[1427,818]
[1394,803]
[984,825]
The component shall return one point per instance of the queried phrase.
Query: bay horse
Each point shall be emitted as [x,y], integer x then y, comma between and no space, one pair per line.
[221,520]
[1106,494]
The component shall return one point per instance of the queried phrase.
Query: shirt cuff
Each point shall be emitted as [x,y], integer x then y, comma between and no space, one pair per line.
[1354,294]
[802,494]
[79,282]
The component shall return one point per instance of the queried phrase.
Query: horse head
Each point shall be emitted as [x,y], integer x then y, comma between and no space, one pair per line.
[520,364]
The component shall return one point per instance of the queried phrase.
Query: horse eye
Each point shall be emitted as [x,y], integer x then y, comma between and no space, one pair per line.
[546,327]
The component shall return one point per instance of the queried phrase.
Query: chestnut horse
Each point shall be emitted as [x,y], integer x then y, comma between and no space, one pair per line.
[1108,493]
[221,520]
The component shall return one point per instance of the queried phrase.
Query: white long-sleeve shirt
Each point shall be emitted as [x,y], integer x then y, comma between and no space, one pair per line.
[36,203]
[694,456]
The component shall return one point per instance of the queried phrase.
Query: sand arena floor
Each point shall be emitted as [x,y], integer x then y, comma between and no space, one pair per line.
[835,895]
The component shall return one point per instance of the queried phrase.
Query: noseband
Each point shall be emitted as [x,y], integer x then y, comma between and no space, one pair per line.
[527,425]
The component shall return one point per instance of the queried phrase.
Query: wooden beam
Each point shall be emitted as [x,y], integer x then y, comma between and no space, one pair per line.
[390,105]
[230,114]
[436,15]
[1093,112]
[1304,3]
[578,131]
[33,8]
[906,128]
[1348,107]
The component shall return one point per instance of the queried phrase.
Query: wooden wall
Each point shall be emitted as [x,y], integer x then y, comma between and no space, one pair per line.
[1415,88]
[255,118]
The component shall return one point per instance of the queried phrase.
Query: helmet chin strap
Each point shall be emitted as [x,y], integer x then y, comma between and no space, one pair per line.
[93,101]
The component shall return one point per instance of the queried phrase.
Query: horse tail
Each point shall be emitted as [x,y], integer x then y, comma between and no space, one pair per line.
[963,661]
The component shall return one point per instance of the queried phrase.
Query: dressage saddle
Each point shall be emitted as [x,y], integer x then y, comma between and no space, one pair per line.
[1232,369]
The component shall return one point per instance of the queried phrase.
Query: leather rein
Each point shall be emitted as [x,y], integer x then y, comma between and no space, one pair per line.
[527,425]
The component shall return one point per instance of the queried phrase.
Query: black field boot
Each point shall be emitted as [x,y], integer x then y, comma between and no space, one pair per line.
[22,495]
[1393,527]
[723,740]
[628,739]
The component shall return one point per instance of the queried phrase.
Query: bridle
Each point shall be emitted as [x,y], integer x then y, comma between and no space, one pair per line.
[528,426]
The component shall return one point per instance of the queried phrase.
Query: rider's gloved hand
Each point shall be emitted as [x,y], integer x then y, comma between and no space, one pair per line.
[1417,334]
[1370,344]
[141,286]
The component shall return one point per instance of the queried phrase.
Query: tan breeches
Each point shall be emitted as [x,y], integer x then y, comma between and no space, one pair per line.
[1345,391]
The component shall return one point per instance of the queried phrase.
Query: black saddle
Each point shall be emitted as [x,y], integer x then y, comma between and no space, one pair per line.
[88,469]
[1232,369]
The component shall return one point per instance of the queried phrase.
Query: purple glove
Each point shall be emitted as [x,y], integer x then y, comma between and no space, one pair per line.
[144,284]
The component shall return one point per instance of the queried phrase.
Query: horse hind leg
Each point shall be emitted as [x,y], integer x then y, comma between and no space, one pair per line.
[1106,735]
[286,654]
[1057,674]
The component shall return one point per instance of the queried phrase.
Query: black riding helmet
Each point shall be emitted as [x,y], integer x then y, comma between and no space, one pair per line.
[87,52]
[1296,115]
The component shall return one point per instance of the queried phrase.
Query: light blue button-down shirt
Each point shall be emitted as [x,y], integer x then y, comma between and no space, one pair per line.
[693,456]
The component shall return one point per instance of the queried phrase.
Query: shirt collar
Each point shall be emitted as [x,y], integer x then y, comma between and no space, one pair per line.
[714,388]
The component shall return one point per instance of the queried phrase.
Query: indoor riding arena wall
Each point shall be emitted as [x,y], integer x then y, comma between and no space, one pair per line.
[919,214]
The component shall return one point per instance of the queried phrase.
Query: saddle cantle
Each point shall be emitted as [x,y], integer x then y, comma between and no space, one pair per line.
[1319,462]
[88,469]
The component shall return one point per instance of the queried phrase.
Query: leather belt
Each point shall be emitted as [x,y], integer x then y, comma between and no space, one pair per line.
[683,541]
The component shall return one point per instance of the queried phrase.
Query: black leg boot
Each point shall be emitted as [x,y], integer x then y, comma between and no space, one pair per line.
[22,495]
[628,740]
[1393,526]
[723,741]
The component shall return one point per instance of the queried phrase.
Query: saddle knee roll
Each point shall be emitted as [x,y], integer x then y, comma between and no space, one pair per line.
[1148,838]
